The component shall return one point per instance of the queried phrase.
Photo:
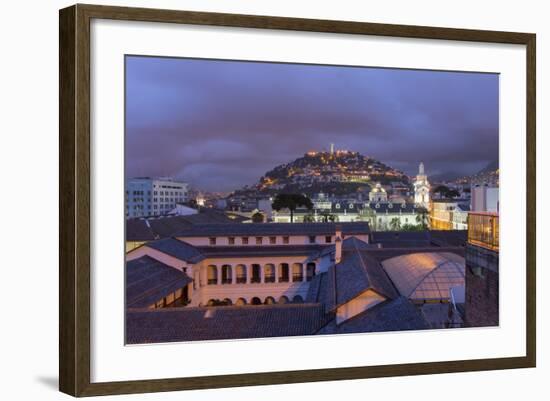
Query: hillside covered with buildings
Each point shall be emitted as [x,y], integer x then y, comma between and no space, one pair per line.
[338,172]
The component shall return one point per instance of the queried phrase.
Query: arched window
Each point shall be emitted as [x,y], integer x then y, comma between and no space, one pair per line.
[240,301]
[211,302]
[227,301]
[269,273]
[283,300]
[240,271]
[297,299]
[256,274]
[256,301]
[283,273]
[212,274]
[227,274]
[269,301]
[297,272]
[310,271]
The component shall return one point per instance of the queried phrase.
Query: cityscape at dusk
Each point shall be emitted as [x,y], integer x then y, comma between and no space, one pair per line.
[275,200]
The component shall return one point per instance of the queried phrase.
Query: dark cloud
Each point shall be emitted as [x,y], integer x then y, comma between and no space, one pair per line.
[222,124]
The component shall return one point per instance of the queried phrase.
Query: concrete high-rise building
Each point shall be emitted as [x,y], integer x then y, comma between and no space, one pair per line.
[147,196]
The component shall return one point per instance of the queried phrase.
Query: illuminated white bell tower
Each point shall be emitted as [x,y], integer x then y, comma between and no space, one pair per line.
[422,188]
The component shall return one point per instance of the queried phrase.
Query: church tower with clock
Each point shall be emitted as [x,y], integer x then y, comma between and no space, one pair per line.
[422,188]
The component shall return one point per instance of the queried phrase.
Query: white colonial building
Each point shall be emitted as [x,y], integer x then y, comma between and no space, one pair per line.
[249,263]
[378,194]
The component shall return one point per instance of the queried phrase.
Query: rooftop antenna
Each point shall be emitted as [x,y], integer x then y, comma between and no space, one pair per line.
[331,148]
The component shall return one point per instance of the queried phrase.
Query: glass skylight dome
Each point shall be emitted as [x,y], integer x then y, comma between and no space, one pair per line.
[424,277]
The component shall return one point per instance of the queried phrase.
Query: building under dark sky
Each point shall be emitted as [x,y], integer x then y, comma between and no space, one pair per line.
[222,124]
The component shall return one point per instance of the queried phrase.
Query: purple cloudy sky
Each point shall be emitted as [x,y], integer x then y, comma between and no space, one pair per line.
[222,124]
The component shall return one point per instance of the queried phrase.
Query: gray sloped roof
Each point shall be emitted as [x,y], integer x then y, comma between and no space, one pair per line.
[176,248]
[260,250]
[266,229]
[218,323]
[138,230]
[392,315]
[146,229]
[318,289]
[349,244]
[355,274]
[148,281]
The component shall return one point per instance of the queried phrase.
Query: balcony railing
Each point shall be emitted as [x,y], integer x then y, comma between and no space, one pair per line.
[483,230]
[270,279]
[241,280]
[226,280]
[212,281]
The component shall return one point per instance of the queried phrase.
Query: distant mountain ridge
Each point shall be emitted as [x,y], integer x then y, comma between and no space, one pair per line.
[487,175]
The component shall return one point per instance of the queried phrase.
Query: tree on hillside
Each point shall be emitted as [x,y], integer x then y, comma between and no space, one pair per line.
[258,217]
[453,193]
[395,224]
[291,202]
[309,218]
[326,216]
[442,191]
[422,217]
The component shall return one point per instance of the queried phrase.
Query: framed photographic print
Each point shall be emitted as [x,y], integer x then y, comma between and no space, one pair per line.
[250,200]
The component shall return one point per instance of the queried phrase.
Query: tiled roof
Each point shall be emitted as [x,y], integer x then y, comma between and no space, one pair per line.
[176,248]
[148,280]
[355,274]
[252,229]
[416,239]
[318,289]
[349,244]
[393,315]
[402,239]
[260,250]
[218,323]
[449,237]
[138,230]
[146,229]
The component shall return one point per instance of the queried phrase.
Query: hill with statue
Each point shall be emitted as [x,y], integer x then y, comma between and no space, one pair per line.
[337,172]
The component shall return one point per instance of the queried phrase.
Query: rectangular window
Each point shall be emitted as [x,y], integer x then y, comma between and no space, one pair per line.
[312,239]
[272,240]
[286,240]
[328,239]
[245,240]
[231,240]
[212,240]
[259,240]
